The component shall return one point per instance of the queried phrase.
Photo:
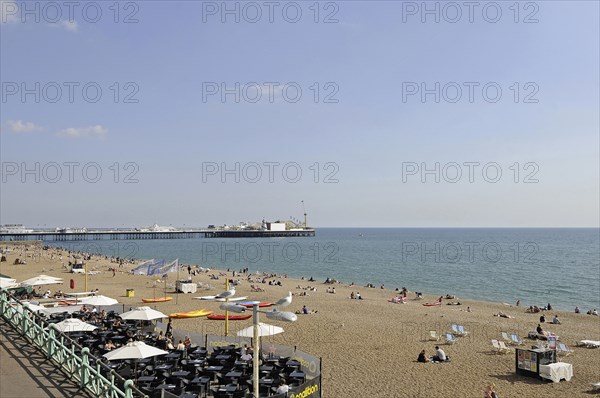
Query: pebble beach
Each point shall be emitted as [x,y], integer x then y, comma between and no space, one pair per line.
[368,347]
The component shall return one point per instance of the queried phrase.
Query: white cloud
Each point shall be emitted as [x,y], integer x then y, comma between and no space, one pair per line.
[70,25]
[20,126]
[9,11]
[96,131]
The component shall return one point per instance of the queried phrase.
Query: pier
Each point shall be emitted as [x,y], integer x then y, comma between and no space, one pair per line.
[53,236]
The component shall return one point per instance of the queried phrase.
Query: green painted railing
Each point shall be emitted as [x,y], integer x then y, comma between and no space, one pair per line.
[66,353]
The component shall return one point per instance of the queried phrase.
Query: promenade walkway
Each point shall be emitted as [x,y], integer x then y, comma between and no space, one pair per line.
[25,372]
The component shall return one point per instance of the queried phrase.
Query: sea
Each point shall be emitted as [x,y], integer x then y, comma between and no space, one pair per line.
[537,266]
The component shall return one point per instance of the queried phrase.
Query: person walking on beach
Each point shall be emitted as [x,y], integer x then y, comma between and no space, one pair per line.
[169,331]
[490,391]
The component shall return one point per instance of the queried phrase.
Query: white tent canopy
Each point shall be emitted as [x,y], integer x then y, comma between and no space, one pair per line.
[99,300]
[32,307]
[143,314]
[73,325]
[134,350]
[7,283]
[42,280]
[264,329]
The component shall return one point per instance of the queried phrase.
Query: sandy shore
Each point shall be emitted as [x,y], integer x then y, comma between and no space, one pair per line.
[369,347]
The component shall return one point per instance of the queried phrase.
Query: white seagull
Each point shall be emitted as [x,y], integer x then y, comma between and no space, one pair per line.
[284,301]
[228,293]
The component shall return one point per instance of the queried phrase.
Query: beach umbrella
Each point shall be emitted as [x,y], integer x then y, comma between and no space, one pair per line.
[7,283]
[134,350]
[73,325]
[32,307]
[264,329]
[42,280]
[143,314]
[98,301]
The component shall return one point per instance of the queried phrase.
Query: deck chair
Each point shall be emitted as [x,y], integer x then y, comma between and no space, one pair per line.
[450,338]
[516,340]
[433,336]
[506,338]
[497,348]
[563,349]
[504,347]
[462,330]
[455,330]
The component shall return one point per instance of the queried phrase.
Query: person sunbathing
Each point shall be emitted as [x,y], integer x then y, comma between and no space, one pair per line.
[503,315]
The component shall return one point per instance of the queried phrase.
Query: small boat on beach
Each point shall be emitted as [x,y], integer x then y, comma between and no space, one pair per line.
[219,317]
[190,314]
[248,304]
[158,300]
[232,299]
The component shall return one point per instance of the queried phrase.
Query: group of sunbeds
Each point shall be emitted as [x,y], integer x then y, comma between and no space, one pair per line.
[450,337]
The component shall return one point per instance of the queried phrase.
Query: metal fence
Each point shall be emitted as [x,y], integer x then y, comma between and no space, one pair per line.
[83,368]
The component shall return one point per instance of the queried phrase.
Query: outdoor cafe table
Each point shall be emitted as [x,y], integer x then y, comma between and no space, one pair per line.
[199,351]
[266,368]
[173,355]
[202,380]
[89,342]
[181,373]
[163,366]
[214,368]
[223,357]
[267,381]
[146,379]
[165,387]
[298,375]
[195,362]
[228,388]
[113,364]
[233,374]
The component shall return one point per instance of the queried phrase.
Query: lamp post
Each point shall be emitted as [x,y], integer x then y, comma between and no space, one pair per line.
[275,315]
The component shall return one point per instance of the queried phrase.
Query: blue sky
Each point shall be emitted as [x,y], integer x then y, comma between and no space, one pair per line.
[170,133]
